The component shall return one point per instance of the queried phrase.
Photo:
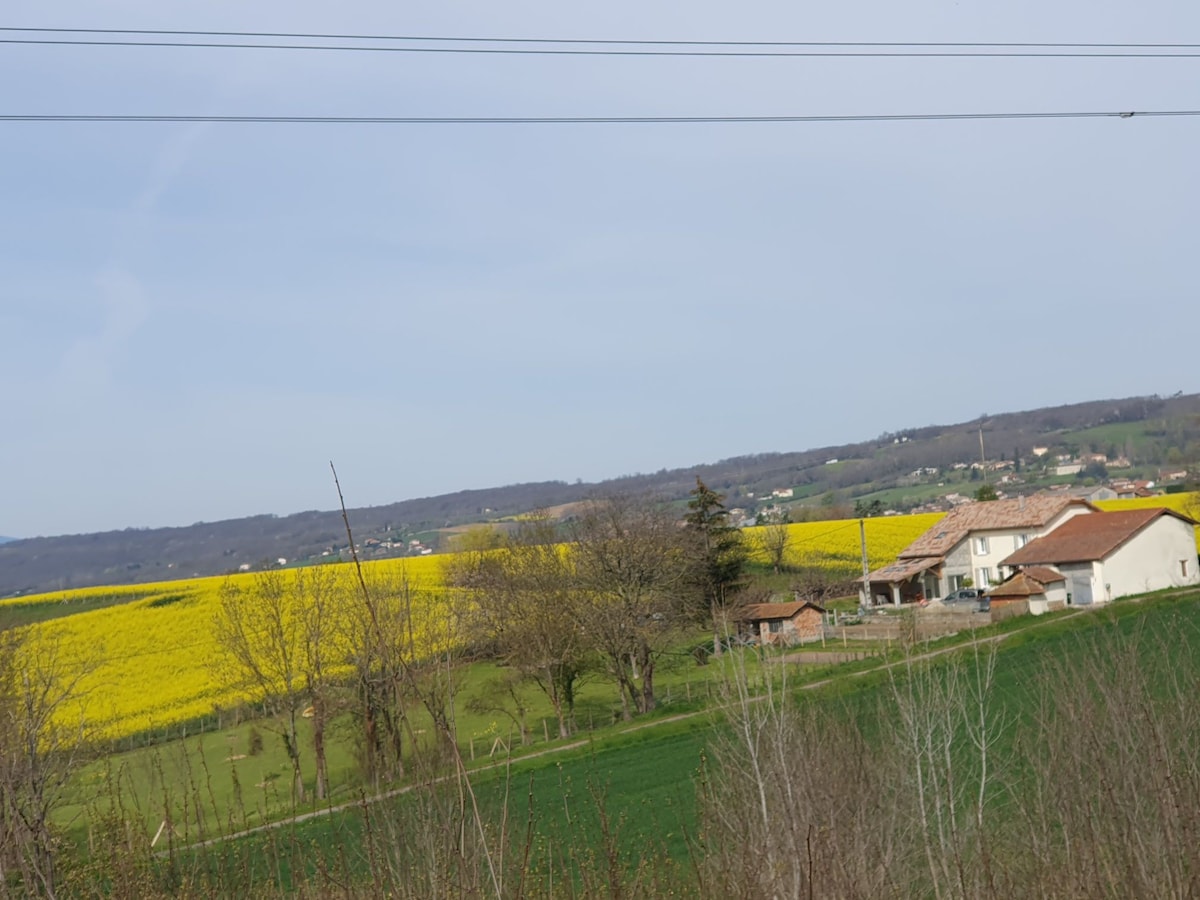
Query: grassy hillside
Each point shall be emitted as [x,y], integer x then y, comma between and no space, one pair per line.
[635,807]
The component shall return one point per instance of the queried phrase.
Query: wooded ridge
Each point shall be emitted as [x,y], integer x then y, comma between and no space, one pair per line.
[1170,433]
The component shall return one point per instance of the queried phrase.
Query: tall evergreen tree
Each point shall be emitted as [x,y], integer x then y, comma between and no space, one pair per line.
[716,556]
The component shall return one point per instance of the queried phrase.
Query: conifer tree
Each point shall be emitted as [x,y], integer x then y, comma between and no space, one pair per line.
[716,555]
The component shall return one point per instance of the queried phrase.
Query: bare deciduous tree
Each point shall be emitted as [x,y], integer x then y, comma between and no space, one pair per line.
[261,631]
[774,536]
[322,597]
[629,574]
[42,739]
[521,601]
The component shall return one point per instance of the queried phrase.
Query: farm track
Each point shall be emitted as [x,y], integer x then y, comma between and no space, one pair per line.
[579,744]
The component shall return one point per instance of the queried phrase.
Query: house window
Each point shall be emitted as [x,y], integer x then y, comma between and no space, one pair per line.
[776,626]
[1020,541]
[983,577]
[1183,568]
[956,582]
[981,546]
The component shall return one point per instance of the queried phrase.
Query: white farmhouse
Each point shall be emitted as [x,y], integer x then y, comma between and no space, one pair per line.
[1115,554]
[970,542]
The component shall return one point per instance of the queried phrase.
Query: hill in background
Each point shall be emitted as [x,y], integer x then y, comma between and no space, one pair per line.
[1147,437]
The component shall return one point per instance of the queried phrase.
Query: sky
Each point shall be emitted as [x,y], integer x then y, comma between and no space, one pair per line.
[196,318]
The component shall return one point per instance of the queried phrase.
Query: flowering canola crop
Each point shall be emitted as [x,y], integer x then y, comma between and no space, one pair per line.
[153,662]
[836,545]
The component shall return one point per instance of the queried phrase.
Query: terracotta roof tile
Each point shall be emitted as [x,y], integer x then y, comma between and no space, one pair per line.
[1018,512]
[1020,585]
[903,569]
[1044,574]
[756,611]
[1088,538]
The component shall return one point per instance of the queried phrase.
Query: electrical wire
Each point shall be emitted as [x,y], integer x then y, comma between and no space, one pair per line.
[587,120]
[596,41]
[538,51]
[107,37]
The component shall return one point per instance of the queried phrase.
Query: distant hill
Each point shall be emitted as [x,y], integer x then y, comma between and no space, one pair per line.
[900,469]
[5,540]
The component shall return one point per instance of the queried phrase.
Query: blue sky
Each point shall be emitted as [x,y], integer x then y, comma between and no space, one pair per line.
[196,318]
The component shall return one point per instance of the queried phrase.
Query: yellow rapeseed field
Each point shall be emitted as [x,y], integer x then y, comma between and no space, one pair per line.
[836,545]
[152,662]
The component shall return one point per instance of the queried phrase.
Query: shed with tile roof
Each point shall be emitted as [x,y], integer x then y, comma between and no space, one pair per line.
[1036,590]
[783,623]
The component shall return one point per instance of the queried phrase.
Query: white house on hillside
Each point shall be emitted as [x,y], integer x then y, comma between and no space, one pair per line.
[970,542]
[1115,554]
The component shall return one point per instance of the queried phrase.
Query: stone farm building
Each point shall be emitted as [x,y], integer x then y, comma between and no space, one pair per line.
[783,623]
[971,542]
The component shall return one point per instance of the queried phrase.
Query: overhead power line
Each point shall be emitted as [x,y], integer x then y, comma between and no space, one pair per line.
[569,41]
[254,40]
[587,120]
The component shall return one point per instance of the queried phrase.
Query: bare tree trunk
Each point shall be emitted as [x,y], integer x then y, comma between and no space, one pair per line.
[556,701]
[648,701]
[291,741]
[318,717]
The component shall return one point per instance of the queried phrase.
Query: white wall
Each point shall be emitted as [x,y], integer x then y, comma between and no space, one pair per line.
[1150,561]
[1002,543]
[1056,593]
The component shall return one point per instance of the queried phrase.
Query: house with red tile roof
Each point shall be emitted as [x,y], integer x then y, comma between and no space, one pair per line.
[969,543]
[1115,554]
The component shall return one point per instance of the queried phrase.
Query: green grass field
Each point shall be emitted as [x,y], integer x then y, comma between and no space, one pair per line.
[643,778]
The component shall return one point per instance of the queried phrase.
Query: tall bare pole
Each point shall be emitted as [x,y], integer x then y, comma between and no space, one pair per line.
[862,536]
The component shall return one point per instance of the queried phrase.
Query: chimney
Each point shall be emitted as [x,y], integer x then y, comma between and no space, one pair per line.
[1021,502]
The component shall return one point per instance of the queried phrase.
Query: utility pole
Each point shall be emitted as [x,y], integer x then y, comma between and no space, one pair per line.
[862,535]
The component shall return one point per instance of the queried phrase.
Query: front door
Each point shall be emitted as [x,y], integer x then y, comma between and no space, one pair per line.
[1081,590]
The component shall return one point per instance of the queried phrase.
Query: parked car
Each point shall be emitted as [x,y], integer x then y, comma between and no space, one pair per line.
[962,595]
[968,598]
